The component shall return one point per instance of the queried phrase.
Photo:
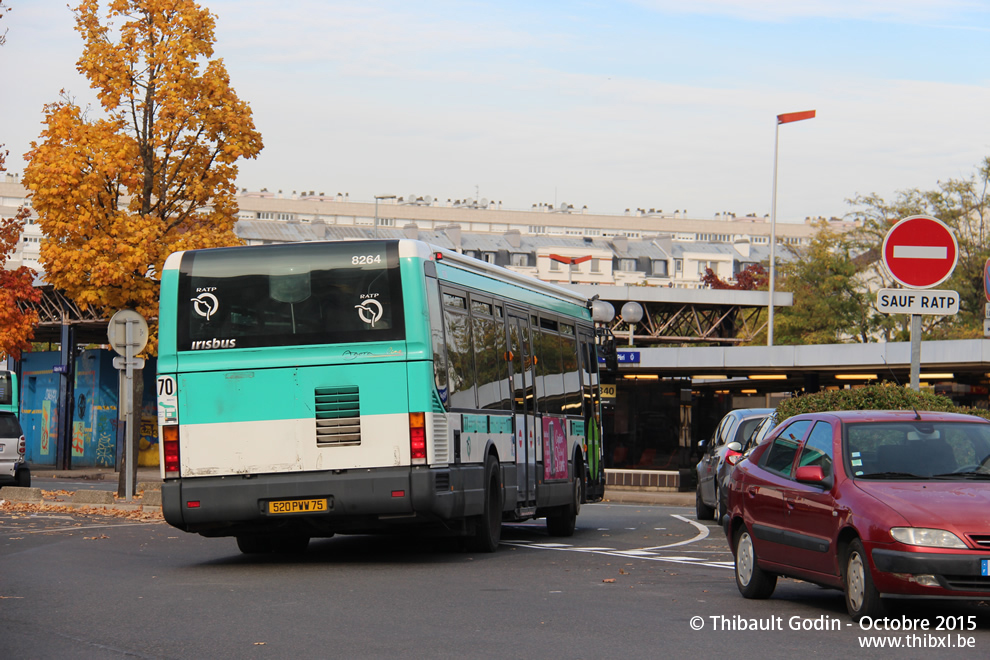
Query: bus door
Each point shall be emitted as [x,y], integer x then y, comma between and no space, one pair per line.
[524,404]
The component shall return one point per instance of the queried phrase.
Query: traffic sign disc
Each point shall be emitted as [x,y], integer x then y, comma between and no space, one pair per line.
[920,252]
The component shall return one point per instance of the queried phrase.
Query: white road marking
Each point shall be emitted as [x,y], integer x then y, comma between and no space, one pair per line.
[703,532]
[648,554]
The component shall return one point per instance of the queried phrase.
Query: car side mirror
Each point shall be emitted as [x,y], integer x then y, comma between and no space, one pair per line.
[814,475]
[702,443]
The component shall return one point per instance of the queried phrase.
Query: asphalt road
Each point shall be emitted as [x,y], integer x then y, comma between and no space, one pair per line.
[633,582]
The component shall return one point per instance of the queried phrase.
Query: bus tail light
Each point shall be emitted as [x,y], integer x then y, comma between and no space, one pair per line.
[170,445]
[417,438]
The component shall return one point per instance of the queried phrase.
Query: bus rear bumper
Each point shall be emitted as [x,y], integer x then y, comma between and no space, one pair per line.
[353,501]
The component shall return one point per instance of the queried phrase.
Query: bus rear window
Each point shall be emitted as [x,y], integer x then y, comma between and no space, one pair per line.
[289,295]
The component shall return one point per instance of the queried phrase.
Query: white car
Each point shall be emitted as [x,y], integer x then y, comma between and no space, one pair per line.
[12,447]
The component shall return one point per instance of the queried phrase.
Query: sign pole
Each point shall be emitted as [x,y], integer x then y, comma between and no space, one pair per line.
[129,409]
[128,335]
[916,352]
[919,252]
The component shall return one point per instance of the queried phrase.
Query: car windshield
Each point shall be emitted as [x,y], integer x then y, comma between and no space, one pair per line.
[918,450]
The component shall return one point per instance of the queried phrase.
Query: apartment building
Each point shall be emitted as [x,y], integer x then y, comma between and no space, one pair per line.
[555,243]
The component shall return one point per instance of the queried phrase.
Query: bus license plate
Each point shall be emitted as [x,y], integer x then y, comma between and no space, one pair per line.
[297,506]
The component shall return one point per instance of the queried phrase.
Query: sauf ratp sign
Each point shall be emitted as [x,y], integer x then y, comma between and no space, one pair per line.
[919,252]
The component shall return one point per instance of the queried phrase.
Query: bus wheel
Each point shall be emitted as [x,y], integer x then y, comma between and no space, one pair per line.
[488,526]
[290,545]
[254,544]
[564,520]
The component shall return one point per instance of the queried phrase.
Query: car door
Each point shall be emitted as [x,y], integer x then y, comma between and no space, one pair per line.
[764,490]
[811,518]
[708,466]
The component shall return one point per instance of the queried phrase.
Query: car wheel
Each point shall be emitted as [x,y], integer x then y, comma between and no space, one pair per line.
[719,508]
[23,478]
[862,598]
[702,511]
[753,581]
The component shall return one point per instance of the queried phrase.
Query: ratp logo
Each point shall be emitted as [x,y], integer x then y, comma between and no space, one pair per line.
[205,304]
[370,311]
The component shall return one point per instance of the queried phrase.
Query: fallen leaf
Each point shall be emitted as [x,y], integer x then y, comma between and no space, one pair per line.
[609,580]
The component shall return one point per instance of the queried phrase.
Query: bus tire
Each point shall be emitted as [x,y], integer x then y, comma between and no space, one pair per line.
[488,526]
[290,545]
[563,522]
[254,544]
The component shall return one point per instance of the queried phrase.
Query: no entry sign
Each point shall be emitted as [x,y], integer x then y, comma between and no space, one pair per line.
[920,252]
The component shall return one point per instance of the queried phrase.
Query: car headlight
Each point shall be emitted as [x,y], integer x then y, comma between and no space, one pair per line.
[929,538]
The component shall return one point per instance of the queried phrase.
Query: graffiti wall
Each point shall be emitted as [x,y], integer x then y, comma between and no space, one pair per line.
[94,410]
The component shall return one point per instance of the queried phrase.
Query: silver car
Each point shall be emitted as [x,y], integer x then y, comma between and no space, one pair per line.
[736,426]
[12,447]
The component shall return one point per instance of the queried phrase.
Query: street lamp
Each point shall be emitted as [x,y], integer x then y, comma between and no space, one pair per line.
[378,197]
[785,118]
[632,313]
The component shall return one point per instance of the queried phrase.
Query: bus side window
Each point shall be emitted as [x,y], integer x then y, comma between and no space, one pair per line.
[502,357]
[572,374]
[437,339]
[461,378]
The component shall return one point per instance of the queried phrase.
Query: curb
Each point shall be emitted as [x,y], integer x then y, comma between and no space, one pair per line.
[650,498]
[150,502]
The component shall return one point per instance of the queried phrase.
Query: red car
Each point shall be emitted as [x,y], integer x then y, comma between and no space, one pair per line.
[880,504]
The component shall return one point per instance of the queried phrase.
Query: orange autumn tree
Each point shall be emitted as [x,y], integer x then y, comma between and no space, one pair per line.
[16,290]
[117,194]
[16,324]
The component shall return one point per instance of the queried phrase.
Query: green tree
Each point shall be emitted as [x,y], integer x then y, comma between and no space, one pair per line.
[828,303]
[116,195]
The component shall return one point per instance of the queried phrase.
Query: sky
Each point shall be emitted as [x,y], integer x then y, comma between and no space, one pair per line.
[653,104]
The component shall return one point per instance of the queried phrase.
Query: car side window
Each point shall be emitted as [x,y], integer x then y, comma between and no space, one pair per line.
[818,448]
[779,457]
[722,432]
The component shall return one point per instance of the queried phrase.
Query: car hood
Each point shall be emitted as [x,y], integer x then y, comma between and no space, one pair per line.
[938,504]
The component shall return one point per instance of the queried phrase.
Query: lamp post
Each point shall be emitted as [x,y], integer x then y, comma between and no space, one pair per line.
[378,197]
[785,118]
[632,313]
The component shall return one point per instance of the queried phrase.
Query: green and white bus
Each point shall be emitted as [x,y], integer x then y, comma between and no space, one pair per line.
[309,389]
